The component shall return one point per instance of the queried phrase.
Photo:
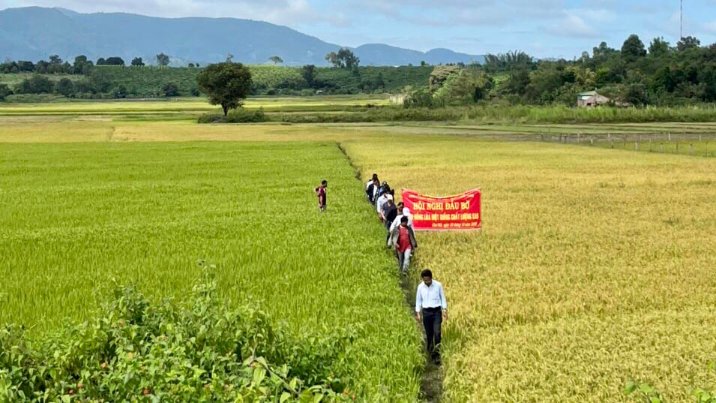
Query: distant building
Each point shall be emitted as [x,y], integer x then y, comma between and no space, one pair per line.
[591,99]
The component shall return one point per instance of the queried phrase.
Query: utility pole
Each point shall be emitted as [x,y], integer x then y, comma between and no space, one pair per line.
[681,29]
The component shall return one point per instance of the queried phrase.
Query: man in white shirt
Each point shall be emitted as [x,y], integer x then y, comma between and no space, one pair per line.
[430,303]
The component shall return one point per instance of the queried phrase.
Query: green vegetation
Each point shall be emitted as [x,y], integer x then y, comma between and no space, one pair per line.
[593,267]
[664,75]
[150,82]
[115,212]
[200,353]
[226,84]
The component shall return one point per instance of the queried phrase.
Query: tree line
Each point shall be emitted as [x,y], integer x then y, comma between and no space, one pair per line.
[81,65]
[635,74]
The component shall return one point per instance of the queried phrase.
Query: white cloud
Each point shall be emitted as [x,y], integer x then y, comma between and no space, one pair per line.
[571,25]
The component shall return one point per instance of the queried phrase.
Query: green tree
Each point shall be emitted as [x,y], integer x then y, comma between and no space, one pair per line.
[36,84]
[466,87]
[120,92]
[227,84]
[687,43]
[308,72]
[170,90]
[82,65]
[440,74]
[343,59]
[163,60]
[4,91]
[111,61]
[659,47]
[276,60]
[633,48]
[65,87]
[518,82]
[56,65]
[635,94]
[137,62]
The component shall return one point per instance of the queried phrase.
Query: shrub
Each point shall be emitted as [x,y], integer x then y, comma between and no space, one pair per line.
[240,115]
[199,353]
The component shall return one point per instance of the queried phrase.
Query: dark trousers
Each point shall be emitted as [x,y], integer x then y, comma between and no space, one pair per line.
[432,321]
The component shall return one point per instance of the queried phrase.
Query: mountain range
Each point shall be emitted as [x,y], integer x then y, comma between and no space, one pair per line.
[34,33]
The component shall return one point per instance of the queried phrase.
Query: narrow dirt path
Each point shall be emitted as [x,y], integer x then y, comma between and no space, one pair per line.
[431,385]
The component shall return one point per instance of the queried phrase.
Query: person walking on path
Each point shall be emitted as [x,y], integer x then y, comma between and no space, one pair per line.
[380,204]
[390,212]
[431,307]
[372,191]
[321,193]
[405,243]
[402,212]
[370,182]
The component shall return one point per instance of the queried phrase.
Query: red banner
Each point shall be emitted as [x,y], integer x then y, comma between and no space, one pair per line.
[461,212]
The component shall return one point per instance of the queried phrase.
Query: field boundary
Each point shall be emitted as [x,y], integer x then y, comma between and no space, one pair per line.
[431,383]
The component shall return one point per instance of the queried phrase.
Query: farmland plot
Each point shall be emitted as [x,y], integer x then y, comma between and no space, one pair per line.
[77,218]
[594,267]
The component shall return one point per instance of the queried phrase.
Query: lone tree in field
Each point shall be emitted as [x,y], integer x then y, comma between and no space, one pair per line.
[226,84]
[344,59]
[162,60]
[276,60]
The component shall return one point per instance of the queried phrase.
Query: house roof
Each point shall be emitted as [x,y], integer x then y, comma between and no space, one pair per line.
[588,94]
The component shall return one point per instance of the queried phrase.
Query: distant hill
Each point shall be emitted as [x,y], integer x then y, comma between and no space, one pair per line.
[34,33]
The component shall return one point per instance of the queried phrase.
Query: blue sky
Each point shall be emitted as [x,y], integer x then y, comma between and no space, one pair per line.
[544,28]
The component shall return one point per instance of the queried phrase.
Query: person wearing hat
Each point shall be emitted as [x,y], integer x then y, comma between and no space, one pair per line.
[431,308]
[321,193]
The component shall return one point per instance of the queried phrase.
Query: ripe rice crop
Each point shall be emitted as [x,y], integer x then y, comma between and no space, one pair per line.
[594,266]
[76,219]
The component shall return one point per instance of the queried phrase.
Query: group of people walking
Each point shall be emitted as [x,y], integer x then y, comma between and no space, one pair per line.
[430,301]
[397,220]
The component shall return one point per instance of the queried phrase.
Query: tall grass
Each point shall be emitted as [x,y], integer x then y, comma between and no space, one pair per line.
[516,114]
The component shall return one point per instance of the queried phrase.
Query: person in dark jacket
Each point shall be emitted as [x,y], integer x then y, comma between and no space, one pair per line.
[403,237]
[390,211]
[372,191]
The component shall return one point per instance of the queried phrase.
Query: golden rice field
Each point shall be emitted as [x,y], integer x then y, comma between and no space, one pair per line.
[595,266]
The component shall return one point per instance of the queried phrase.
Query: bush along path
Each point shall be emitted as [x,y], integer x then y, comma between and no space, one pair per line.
[431,385]
[138,351]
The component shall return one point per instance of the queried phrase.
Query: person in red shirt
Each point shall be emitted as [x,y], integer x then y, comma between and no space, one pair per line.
[403,238]
[321,193]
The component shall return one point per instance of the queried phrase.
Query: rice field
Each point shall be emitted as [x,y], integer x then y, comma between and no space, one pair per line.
[79,218]
[594,267]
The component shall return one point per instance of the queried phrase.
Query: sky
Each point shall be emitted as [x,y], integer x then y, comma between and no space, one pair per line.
[542,28]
